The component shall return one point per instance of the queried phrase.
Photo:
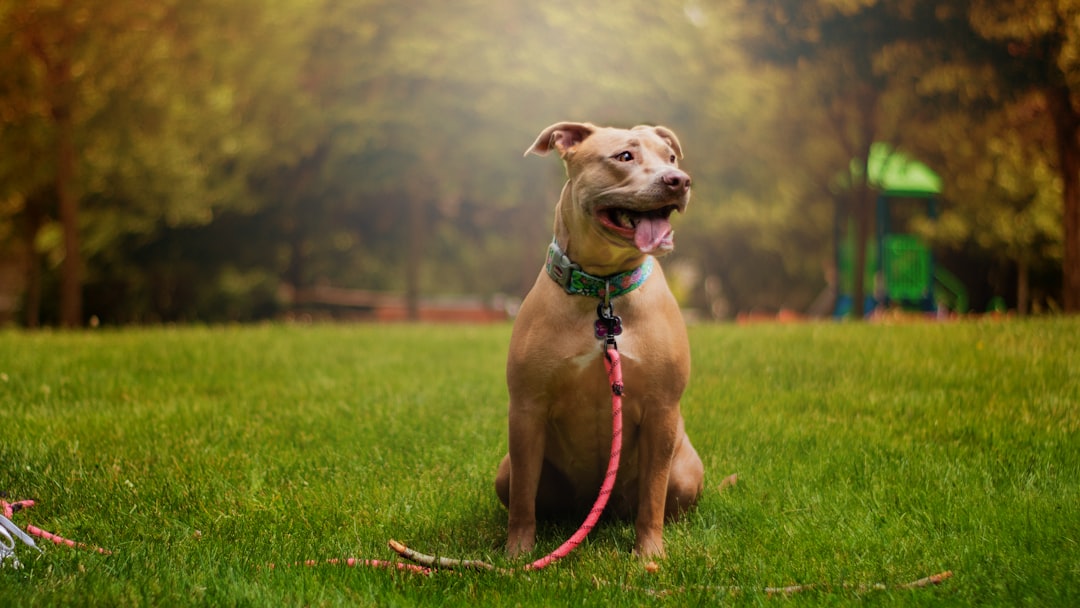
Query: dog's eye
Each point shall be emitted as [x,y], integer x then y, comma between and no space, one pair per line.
[624,156]
[672,159]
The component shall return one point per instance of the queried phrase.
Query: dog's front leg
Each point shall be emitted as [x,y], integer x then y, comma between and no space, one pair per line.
[656,451]
[527,438]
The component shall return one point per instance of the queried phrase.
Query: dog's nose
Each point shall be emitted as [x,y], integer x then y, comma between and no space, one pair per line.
[676,181]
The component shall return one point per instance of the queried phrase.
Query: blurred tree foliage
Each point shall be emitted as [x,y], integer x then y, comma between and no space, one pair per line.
[996,95]
[123,122]
[196,160]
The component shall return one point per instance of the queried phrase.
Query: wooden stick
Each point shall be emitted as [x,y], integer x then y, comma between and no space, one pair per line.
[935,579]
[353,562]
[431,561]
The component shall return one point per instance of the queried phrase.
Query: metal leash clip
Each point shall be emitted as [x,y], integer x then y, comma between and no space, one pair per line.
[7,549]
[8,533]
[608,324]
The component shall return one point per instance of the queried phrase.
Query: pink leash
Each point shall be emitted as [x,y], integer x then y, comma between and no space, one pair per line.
[612,363]
[614,370]
[10,508]
[607,327]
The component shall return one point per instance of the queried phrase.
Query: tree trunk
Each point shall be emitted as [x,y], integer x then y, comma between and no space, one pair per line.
[862,239]
[414,258]
[865,101]
[1067,126]
[54,55]
[71,269]
[35,218]
[68,200]
[1023,289]
[862,209]
[294,273]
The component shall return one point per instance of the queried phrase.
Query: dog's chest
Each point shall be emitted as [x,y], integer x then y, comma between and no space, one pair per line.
[580,419]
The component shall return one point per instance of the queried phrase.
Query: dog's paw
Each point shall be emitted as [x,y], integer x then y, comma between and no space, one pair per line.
[649,549]
[520,544]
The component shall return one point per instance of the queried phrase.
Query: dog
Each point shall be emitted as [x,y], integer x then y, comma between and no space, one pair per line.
[612,219]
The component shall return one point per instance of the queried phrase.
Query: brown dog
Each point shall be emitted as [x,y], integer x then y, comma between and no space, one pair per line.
[611,219]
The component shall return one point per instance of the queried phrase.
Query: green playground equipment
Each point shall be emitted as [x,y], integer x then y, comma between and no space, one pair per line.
[900,268]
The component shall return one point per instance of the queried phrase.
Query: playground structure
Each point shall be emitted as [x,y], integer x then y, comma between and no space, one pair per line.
[900,271]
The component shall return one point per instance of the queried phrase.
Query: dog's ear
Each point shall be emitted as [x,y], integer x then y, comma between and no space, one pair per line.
[562,136]
[667,135]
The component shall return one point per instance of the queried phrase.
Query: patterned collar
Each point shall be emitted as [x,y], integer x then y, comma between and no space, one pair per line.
[576,281]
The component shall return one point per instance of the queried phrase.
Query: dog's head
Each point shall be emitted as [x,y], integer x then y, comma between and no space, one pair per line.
[624,183]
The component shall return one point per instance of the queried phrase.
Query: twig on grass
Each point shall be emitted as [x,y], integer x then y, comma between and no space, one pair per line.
[353,562]
[434,562]
[928,581]
[422,562]
[934,579]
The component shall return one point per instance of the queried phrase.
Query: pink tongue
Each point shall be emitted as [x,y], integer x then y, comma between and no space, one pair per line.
[651,233]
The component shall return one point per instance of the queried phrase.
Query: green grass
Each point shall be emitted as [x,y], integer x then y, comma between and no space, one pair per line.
[865,454]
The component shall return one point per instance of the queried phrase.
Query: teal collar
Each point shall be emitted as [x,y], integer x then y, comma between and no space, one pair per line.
[576,281]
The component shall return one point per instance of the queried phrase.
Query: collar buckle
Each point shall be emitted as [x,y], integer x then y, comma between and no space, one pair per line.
[560,267]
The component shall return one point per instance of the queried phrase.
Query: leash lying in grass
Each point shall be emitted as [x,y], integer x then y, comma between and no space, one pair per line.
[613,364]
[428,564]
[8,509]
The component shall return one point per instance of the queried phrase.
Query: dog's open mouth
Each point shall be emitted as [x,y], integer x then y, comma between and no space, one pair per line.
[649,230]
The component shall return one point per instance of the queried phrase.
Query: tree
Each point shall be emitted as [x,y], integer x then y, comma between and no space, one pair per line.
[222,148]
[829,48]
[50,38]
[1034,48]
[978,65]
[968,57]
[1003,194]
[148,115]
[425,113]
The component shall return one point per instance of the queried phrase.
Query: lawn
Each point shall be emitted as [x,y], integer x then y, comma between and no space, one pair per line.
[865,454]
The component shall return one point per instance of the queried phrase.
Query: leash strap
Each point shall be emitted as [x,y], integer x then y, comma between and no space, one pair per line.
[614,370]
[426,564]
[607,326]
[7,509]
